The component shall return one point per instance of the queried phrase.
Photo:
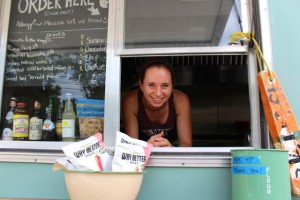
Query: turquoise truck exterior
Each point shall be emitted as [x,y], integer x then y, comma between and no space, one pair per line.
[36,180]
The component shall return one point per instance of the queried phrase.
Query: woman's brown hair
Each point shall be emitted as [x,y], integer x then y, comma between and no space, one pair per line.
[163,63]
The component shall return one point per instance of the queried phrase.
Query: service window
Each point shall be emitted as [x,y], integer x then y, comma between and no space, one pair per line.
[217,86]
[216,74]
[59,47]
[55,48]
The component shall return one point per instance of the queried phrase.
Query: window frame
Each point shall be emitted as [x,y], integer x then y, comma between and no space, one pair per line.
[120,51]
[45,152]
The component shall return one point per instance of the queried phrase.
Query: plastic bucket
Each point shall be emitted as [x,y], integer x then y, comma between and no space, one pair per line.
[87,185]
[260,175]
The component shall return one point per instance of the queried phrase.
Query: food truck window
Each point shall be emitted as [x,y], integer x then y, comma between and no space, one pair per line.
[60,48]
[54,49]
[194,37]
[217,86]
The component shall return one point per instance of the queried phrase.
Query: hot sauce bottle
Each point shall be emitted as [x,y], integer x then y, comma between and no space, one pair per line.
[20,122]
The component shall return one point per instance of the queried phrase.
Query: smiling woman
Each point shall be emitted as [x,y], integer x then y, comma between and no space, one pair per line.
[155,112]
[217,89]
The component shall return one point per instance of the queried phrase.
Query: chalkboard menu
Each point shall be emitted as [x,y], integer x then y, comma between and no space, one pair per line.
[57,43]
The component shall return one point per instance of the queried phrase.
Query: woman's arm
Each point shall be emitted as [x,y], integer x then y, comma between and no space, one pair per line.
[129,112]
[183,111]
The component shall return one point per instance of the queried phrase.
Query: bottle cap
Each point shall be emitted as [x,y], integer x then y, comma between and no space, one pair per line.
[68,96]
[36,105]
[13,102]
[21,104]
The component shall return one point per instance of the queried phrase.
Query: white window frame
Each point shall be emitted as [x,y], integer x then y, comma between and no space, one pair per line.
[119,51]
[47,152]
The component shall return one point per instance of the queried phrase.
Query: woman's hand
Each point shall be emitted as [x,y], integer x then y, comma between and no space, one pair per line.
[159,141]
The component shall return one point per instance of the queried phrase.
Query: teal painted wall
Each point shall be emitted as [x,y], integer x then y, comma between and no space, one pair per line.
[285,29]
[186,183]
[28,180]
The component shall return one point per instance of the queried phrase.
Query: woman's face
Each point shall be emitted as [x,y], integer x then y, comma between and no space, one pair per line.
[157,86]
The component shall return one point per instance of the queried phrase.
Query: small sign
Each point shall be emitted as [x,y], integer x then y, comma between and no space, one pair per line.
[246,160]
[249,170]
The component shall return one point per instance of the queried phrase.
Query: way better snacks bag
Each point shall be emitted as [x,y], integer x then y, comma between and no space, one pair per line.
[131,154]
[89,154]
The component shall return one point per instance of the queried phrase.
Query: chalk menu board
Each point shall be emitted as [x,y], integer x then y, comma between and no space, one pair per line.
[57,43]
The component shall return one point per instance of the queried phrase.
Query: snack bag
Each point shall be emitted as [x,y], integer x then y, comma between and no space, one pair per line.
[89,154]
[90,113]
[131,154]
[64,164]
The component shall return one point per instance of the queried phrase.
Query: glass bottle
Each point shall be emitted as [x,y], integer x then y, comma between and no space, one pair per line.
[68,120]
[36,123]
[58,123]
[7,133]
[48,125]
[20,122]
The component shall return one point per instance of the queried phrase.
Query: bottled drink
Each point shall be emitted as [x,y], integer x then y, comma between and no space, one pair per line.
[68,120]
[36,123]
[48,125]
[20,122]
[58,123]
[7,133]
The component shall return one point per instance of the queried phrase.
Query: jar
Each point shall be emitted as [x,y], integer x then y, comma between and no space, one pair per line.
[21,122]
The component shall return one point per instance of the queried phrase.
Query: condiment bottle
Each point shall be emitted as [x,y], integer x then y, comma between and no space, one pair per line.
[20,122]
[36,123]
[48,125]
[58,123]
[68,120]
[7,133]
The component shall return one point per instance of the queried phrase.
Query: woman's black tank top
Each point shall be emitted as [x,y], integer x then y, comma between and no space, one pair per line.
[148,128]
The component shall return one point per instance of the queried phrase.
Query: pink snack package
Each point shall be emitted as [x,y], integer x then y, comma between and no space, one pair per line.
[89,154]
[131,154]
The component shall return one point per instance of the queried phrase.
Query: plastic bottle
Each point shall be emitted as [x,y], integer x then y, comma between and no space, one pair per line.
[68,120]
[48,125]
[20,122]
[7,133]
[36,123]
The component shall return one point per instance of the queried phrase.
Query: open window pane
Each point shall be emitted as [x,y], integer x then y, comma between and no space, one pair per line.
[180,23]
